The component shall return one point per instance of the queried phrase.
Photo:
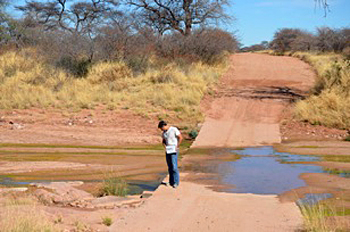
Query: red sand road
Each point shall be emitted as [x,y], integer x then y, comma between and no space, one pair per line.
[244,113]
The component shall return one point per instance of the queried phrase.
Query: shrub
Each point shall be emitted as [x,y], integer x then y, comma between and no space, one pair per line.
[107,221]
[108,72]
[114,186]
[76,67]
[193,134]
[207,45]
[324,217]
[346,53]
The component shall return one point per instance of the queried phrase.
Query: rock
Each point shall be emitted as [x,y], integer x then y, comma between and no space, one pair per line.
[81,204]
[111,202]
[6,190]
[16,126]
[47,197]
[62,193]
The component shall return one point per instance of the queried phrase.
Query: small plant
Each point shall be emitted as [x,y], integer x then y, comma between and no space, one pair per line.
[347,139]
[193,134]
[107,221]
[314,217]
[114,186]
[81,227]
[59,219]
[323,217]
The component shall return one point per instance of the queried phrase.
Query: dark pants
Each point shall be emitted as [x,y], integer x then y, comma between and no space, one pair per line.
[174,177]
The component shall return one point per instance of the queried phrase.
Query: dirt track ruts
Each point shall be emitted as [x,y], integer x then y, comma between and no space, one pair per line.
[250,100]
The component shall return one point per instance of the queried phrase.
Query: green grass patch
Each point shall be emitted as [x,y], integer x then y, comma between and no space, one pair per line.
[336,158]
[114,186]
[307,147]
[107,221]
[339,172]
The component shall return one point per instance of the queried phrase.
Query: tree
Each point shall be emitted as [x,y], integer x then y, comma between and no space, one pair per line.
[305,41]
[283,39]
[256,47]
[6,23]
[180,15]
[324,4]
[68,29]
[79,17]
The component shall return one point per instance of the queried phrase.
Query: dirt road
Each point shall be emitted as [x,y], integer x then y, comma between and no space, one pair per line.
[245,112]
[193,207]
[250,100]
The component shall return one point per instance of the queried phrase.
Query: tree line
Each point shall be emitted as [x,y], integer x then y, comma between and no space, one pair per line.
[325,39]
[74,34]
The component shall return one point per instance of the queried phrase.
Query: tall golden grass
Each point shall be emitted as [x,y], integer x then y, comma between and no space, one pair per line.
[324,217]
[27,81]
[23,214]
[329,101]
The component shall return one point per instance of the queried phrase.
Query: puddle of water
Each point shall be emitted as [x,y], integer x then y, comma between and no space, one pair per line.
[263,171]
[135,187]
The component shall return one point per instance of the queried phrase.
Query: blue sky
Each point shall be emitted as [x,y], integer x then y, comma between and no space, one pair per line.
[257,20]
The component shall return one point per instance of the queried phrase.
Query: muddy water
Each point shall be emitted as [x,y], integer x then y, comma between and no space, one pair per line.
[258,170]
[135,187]
[262,170]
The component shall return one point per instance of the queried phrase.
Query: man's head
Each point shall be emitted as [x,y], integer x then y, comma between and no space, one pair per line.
[162,125]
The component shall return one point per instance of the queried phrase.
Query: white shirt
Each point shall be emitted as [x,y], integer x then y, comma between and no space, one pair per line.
[170,137]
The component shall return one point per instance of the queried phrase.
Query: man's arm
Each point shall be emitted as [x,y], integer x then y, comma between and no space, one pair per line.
[164,143]
[179,140]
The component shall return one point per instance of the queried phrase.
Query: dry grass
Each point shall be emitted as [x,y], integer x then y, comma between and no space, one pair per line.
[329,102]
[26,81]
[22,214]
[315,218]
[324,217]
[113,185]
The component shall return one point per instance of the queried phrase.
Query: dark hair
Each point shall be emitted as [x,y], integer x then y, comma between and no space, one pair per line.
[161,124]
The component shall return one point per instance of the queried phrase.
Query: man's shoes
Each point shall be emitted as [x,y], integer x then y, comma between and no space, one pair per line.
[165,183]
[175,186]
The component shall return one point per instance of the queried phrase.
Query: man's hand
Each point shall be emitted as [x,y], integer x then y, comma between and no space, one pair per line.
[179,140]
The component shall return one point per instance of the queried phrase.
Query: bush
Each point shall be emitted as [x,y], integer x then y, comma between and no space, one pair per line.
[78,68]
[206,45]
[346,53]
[325,40]
[330,104]
[108,72]
[193,134]
[107,221]
[114,186]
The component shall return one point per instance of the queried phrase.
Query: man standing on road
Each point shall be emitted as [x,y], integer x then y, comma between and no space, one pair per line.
[172,139]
